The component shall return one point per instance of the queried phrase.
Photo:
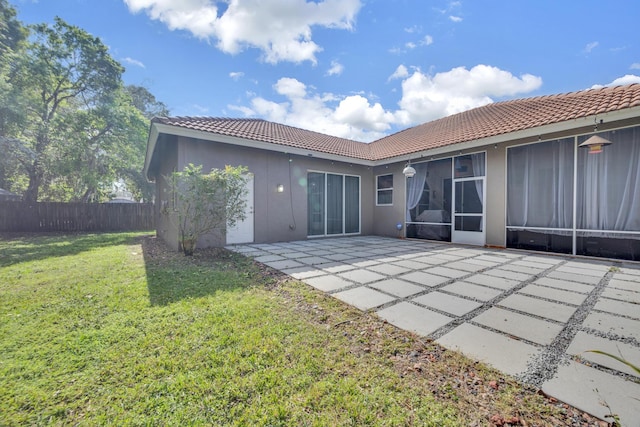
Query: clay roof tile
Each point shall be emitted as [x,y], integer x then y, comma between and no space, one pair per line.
[490,120]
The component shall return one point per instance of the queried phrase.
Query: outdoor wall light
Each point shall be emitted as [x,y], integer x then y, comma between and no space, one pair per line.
[280,188]
[409,171]
[595,144]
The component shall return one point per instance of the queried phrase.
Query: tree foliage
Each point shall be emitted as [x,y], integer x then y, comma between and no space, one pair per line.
[69,128]
[206,203]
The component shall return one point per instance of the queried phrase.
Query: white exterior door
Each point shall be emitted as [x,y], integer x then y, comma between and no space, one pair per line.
[468,225]
[242,232]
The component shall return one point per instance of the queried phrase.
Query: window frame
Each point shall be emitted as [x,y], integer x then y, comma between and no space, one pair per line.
[379,190]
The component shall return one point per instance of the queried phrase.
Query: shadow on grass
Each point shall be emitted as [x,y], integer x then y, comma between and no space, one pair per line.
[172,277]
[26,247]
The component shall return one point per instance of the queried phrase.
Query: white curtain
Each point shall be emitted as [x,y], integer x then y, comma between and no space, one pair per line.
[477,162]
[415,187]
[352,204]
[540,185]
[609,185]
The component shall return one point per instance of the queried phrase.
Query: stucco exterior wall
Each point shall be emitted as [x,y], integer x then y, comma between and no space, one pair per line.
[277,216]
[387,217]
[495,209]
[165,228]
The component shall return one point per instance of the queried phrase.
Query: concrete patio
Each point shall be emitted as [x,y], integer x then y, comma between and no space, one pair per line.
[527,314]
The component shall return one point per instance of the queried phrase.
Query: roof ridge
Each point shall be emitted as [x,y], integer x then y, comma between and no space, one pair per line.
[496,118]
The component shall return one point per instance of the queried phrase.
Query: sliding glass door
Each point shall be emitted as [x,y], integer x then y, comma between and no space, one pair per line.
[333,204]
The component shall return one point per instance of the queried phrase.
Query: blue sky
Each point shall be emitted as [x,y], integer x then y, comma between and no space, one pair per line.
[359,69]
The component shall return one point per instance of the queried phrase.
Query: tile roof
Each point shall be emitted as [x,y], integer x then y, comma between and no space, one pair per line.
[490,120]
[275,133]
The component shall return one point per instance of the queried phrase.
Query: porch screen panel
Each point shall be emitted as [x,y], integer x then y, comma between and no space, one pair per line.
[540,196]
[334,204]
[608,195]
[540,185]
[315,203]
[428,209]
[351,204]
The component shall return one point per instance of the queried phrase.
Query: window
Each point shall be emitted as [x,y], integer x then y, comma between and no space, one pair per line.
[384,190]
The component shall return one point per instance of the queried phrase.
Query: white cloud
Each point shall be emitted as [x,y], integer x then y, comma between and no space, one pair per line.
[428,40]
[400,73]
[281,29]
[133,62]
[455,18]
[590,46]
[410,45]
[413,29]
[336,69]
[635,66]
[424,98]
[350,117]
[624,80]
[236,75]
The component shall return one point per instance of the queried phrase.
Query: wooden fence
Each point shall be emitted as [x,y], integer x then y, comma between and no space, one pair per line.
[45,216]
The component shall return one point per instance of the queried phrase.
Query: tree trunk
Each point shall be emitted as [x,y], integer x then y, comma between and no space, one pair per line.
[35,180]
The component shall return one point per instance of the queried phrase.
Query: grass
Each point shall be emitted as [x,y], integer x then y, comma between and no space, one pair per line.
[113,329]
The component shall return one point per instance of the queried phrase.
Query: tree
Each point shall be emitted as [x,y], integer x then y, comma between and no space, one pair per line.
[100,146]
[144,101]
[69,129]
[206,203]
[62,66]
[12,37]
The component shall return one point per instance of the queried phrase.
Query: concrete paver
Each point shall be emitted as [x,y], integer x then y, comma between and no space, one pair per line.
[327,283]
[538,307]
[361,276]
[501,352]
[411,264]
[618,307]
[564,285]
[390,270]
[573,277]
[519,325]
[447,303]
[466,266]
[364,298]
[582,271]
[423,278]
[523,300]
[303,272]
[414,318]
[506,274]
[611,324]
[622,295]
[492,281]
[583,343]
[284,264]
[587,389]
[554,294]
[397,287]
[625,284]
[447,272]
[471,290]
[522,269]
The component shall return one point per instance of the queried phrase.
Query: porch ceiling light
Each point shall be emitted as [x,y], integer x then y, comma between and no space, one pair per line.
[409,171]
[595,144]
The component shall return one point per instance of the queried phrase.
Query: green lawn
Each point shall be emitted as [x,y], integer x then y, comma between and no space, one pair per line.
[114,329]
